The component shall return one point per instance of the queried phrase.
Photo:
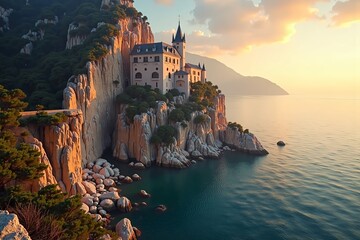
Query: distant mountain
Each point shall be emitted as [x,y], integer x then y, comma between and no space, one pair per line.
[231,82]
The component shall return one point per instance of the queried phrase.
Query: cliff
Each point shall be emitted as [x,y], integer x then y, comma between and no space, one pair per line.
[193,141]
[60,149]
[94,93]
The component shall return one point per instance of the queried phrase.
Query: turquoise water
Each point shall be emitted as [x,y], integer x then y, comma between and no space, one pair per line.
[309,189]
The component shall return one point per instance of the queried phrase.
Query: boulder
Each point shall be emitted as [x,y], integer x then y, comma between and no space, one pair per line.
[113,189]
[105,172]
[116,172]
[109,182]
[88,201]
[97,176]
[107,204]
[90,187]
[137,232]
[125,230]
[103,213]
[93,210]
[136,177]
[97,168]
[139,165]
[99,181]
[144,194]
[281,143]
[10,227]
[110,195]
[101,162]
[80,189]
[127,179]
[124,204]
[85,207]
[161,208]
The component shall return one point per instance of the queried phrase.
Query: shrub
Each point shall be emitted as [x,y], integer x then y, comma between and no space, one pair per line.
[164,134]
[235,125]
[246,131]
[174,92]
[42,118]
[200,119]
[177,115]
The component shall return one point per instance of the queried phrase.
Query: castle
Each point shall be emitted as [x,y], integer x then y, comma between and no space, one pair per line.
[164,66]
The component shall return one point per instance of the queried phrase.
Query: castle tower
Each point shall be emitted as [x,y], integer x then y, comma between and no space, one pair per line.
[179,43]
[203,74]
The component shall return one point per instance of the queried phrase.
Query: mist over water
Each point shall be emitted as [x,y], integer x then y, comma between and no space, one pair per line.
[310,189]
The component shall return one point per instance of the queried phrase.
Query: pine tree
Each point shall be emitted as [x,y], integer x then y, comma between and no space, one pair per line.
[18,161]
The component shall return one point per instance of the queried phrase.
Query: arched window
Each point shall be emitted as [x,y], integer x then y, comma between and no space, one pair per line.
[169,75]
[138,75]
[155,75]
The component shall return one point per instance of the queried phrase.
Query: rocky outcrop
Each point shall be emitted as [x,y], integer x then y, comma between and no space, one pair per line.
[73,40]
[133,140]
[10,227]
[245,142]
[95,92]
[194,139]
[27,49]
[62,145]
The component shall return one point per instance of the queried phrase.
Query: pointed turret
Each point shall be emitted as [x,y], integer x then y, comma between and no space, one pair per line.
[179,37]
[203,74]
[178,41]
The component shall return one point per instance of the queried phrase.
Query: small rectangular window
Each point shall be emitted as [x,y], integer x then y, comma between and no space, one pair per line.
[157,59]
[166,59]
[146,59]
[135,60]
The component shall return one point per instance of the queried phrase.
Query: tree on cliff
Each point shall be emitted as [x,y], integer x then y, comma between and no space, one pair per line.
[18,161]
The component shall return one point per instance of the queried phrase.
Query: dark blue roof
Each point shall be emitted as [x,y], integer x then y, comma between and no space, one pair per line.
[181,72]
[189,65]
[154,48]
[179,37]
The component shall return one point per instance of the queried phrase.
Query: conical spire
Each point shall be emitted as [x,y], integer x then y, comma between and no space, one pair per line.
[203,68]
[179,37]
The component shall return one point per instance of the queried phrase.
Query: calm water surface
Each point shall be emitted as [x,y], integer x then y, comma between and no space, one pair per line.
[309,189]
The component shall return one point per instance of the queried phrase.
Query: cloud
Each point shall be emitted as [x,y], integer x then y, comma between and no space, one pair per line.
[235,25]
[164,2]
[346,12]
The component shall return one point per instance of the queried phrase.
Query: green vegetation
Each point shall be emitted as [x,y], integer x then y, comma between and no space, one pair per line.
[235,125]
[139,99]
[200,119]
[47,214]
[164,135]
[42,118]
[44,74]
[203,94]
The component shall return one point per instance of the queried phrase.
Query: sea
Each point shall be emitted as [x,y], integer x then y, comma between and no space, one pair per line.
[309,189]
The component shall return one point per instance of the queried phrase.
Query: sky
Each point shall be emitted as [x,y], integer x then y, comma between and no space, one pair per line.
[308,47]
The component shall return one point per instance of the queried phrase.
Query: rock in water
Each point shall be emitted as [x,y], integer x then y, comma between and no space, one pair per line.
[10,227]
[161,208]
[124,204]
[281,143]
[125,230]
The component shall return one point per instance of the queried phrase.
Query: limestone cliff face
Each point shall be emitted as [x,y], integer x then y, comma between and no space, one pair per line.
[194,140]
[60,148]
[94,93]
